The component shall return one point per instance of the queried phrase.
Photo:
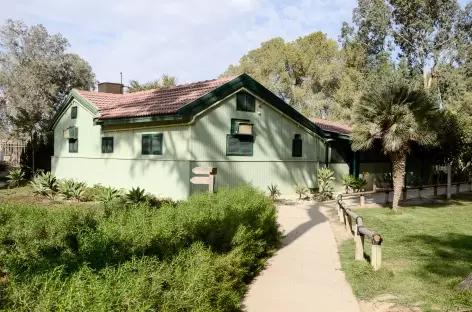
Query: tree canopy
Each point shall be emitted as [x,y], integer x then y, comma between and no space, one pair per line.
[164,82]
[36,74]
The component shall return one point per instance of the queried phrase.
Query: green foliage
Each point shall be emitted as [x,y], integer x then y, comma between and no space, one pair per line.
[36,75]
[325,177]
[135,196]
[198,256]
[70,189]
[353,183]
[92,193]
[45,184]
[15,177]
[301,190]
[43,149]
[431,270]
[164,82]
[274,192]
[108,194]
[4,166]
[347,181]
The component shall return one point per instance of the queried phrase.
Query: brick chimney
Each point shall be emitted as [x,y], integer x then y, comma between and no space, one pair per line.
[110,87]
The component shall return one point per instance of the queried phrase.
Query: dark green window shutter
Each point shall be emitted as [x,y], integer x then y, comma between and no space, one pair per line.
[73,112]
[146,144]
[239,146]
[245,102]
[107,145]
[156,144]
[297,146]
[73,146]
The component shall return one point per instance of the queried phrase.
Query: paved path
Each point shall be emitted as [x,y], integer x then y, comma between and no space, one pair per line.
[305,273]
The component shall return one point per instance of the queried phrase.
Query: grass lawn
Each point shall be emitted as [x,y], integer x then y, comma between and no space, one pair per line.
[427,251]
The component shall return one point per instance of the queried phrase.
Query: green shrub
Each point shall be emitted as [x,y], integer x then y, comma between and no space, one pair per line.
[70,189]
[353,183]
[92,193]
[347,181]
[274,192]
[196,256]
[156,202]
[45,184]
[325,177]
[108,194]
[15,178]
[301,190]
[135,196]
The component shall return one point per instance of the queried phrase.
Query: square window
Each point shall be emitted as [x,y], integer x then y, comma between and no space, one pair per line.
[151,144]
[107,144]
[297,146]
[73,146]
[245,102]
[239,145]
[73,112]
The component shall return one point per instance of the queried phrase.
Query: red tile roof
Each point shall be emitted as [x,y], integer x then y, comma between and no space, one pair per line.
[331,126]
[151,102]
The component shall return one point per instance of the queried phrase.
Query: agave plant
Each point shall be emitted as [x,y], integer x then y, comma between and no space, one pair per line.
[274,192]
[15,177]
[70,189]
[45,184]
[108,194]
[135,196]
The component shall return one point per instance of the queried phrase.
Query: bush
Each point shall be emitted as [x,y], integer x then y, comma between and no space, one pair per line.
[274,192]
[135,196]
[45,184]
[325,177]
[301,190]
[15,178]
[353,183]
[92,193]
[43,147]
[198,256]
[70,189]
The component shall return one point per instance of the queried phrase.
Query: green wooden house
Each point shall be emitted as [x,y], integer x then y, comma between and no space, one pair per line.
[153,139]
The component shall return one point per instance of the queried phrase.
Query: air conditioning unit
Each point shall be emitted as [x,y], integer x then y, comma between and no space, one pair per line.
[71,133]
[245,128]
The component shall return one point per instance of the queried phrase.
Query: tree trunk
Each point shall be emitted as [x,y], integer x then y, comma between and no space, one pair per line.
[398,172]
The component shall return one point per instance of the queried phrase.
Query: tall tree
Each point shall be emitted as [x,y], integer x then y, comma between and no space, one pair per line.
[164,82]
[36,74]
[398,117]
[307,73]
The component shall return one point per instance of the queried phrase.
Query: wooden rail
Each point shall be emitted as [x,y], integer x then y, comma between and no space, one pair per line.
[387,191]
[359,232]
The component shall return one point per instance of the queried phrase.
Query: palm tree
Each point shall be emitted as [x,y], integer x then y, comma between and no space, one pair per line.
[396,116]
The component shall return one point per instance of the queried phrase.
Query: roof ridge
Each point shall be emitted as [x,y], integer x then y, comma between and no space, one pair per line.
[228,78]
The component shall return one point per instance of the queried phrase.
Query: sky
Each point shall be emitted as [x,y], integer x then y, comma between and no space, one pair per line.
[193,40]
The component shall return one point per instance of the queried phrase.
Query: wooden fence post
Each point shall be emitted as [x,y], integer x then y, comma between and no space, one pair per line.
[341,212]
[470,186]
[376,255]
[458,188]
[362,201]
[435,190]
[349,221]
[419,192]
[359,247]
[404,191]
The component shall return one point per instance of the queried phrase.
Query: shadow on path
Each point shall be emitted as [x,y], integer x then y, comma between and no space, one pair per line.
[316,217]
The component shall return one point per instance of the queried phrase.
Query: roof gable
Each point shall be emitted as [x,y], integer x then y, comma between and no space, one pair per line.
[181,102]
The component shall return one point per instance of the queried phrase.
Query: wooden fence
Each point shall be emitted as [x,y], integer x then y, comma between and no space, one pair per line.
[359,232]
[11,150]
[405,190]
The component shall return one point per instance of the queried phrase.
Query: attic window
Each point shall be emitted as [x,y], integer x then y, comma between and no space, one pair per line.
[245,102]
[73,112]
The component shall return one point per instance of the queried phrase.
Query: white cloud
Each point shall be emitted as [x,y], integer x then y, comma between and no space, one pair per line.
[193,40]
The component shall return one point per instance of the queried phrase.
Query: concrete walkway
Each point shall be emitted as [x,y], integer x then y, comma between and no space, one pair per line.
[305,273]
